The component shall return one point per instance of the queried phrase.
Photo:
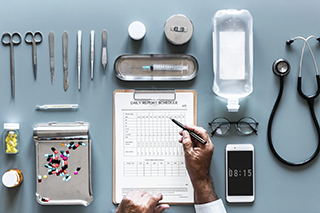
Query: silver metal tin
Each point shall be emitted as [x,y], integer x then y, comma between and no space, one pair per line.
[76,191]
[178,29]
[128,67]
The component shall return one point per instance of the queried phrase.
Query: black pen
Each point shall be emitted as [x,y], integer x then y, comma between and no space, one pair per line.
[193,134]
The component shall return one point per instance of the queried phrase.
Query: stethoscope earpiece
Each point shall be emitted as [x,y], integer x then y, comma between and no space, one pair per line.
[281,67]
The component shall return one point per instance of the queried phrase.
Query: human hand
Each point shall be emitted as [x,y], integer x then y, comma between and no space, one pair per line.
[141,202]
[198,159]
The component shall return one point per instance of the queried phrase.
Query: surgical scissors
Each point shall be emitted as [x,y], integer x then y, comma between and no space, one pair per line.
[34,41]
[14,39]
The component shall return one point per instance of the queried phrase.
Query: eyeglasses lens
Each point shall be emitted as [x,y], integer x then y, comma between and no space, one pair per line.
[220,126]
[247,125]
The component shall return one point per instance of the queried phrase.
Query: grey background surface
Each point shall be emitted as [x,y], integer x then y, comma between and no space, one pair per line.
[278,188]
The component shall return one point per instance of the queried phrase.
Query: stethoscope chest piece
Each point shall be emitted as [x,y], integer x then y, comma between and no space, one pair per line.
[281,67]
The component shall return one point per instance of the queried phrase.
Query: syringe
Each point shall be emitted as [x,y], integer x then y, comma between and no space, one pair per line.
[166,67]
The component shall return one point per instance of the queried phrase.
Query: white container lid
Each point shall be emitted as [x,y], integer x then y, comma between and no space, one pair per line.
[11,126]
[10,179]
[136,30]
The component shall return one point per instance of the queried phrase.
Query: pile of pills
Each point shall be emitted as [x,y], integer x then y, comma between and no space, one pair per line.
[11,142]
[57,164]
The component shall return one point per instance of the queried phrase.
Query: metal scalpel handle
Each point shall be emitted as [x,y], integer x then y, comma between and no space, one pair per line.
[51,48]
[65,60]
[104,50]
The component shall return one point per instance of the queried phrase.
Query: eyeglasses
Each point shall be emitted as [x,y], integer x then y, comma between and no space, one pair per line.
[245,126]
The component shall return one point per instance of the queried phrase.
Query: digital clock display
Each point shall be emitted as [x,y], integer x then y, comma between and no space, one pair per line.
[240,173]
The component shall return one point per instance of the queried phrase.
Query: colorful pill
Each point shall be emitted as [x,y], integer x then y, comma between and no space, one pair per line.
[78,169]
[48,155]
[48,166]
[75,146]
[65,158]
[65,163]
[75,173]
[44,199]
[39,179]
[62,144]
[54,150]
[82,144]
[45,176]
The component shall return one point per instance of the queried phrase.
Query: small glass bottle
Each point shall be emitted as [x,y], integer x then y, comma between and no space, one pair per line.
[11,138]
[12,178]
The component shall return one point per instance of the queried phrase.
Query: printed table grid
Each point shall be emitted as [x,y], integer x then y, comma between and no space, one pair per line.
[152,133]
[154,169]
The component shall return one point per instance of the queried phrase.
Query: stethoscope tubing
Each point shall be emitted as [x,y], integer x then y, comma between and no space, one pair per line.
[310,101]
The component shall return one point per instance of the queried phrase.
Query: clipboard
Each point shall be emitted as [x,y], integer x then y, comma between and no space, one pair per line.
[146,151]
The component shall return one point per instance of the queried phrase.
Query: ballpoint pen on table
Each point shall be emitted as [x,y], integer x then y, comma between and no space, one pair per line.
[92,53]
[79,59]
[193,134]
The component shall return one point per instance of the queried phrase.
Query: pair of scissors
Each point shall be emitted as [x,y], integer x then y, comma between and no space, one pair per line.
[34,39]
[11,39]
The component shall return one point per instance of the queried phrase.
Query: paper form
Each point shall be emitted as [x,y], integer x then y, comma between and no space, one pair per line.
[147,152]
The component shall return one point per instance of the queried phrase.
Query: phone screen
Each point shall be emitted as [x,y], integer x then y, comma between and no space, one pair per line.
[240,173]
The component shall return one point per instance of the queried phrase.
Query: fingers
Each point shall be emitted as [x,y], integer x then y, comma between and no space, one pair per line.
[153,199]
[199,131]
[186,141]
[161,208]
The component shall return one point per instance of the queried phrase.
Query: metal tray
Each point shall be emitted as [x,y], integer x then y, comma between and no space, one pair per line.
[55,189]
[129,67]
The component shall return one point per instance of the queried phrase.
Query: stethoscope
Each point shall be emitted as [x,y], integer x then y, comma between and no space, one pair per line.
[281,68]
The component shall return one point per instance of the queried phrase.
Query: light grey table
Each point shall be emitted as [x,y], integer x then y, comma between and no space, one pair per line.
[278,188]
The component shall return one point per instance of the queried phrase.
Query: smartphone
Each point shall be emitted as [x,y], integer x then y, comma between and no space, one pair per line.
[240,178]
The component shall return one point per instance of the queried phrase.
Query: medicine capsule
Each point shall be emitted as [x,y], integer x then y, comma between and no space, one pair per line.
[39,179]
[82,144]
[48,166]
[44,199]
[54,150]
[48,155]
[45,176]
[78,168]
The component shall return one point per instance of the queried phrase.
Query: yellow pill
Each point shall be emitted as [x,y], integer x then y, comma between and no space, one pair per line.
[45,176]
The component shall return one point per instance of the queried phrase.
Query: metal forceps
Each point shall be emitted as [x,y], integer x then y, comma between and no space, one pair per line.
[14,39]
[34,41]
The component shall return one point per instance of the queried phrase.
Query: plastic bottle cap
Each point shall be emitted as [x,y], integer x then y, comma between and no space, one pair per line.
[136,30]
[233,105]
[11,125]
[10,179]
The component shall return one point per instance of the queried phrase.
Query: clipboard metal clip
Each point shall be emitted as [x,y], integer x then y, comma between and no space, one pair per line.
[147,95]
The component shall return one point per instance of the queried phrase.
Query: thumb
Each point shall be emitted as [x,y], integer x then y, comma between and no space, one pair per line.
[161,208]
[186,141]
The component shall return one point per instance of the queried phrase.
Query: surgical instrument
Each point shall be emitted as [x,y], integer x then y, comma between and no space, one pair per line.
[11,41]
[104,59]
[166,67]
[281,67]
[51,49]
[65,60]
[57,106]
[34,41]
[79,59]
[92,53]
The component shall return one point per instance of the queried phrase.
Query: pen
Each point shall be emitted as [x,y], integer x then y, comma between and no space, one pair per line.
[193,134]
